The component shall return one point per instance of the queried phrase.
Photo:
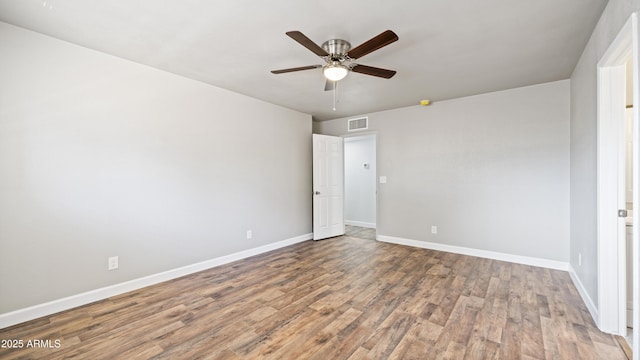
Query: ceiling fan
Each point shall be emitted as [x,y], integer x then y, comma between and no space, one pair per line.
[340,58]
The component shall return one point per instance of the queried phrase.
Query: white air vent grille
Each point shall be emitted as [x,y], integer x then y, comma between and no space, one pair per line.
[358,124]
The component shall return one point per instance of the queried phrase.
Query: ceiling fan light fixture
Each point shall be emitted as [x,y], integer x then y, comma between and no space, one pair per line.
[335,72]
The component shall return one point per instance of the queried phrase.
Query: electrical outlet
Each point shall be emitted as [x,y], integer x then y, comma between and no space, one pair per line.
[113,263]
[249,234]
[434,229]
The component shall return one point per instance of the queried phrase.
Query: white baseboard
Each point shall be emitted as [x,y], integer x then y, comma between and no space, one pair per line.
[360,223]
[52,307]
[593,310]
[525,260]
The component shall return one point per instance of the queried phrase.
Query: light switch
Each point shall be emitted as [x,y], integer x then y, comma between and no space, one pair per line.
[383,179]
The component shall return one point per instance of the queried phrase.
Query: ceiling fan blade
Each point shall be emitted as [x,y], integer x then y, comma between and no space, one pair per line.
[382,40]
[303,40]
[374,71]
[282,71]
[329,85]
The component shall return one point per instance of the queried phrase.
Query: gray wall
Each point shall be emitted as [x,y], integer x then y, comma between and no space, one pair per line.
[491,171]
[100,156]
[584,140]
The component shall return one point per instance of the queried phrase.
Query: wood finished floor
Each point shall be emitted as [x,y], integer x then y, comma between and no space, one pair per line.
[341,298]
[360,232]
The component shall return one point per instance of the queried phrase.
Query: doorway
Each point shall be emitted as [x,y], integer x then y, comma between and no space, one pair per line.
[360,209]
[617,260]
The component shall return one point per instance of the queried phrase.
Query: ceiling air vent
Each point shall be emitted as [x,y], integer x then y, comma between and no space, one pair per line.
[358,124]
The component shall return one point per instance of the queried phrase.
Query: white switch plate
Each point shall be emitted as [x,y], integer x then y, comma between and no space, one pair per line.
[383,179]
[113,263]
[434,229]
[249,234]
[579,259]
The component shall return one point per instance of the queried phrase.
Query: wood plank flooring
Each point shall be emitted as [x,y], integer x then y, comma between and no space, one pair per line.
[360,232]
[341,298]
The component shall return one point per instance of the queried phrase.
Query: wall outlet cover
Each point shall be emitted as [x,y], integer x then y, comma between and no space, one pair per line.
[113,263]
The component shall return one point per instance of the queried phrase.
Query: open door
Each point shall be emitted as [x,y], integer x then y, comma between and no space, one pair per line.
[328,186]
[612,194]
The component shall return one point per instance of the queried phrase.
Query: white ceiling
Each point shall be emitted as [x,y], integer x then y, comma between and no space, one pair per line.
[447,49]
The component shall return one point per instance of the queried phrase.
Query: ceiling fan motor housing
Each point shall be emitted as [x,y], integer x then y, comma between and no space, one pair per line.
[337,47]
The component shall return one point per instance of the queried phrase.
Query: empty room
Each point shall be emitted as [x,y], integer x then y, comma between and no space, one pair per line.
[319,180]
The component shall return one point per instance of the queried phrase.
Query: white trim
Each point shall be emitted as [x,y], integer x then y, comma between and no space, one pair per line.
[360,223]
[584,294]
[52,307]
[518,259]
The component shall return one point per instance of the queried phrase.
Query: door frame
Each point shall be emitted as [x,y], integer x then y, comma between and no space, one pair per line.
[611,247]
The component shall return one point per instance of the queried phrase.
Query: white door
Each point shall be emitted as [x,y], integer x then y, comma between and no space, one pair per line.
[611,178]
[328,186]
